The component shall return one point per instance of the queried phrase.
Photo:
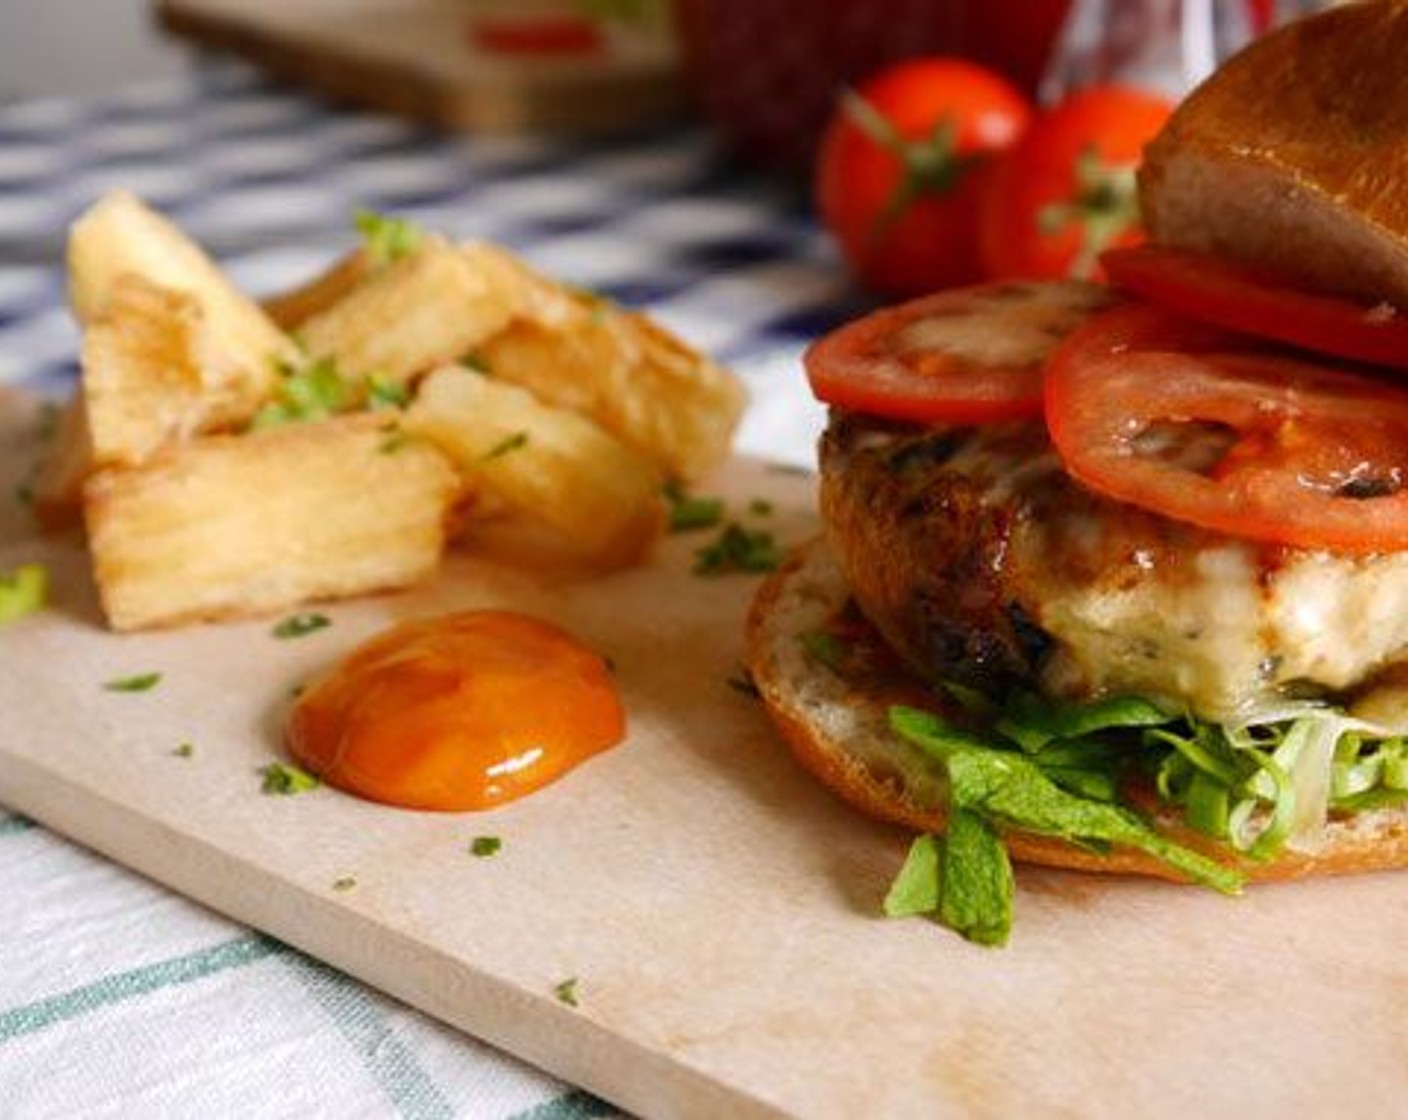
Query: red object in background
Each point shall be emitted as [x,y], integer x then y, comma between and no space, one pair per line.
[767,72]
[901,169]
[536,35]
[1065,191]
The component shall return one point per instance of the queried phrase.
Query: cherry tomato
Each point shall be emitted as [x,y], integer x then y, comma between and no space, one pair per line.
[1065,191]
[970,355]
[1260,303]
[463,711]
[898,178]
[1214,429]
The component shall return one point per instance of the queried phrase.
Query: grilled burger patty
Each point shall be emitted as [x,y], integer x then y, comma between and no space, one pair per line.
[980,560]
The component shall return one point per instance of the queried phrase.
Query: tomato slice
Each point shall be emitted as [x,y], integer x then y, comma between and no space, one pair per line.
[968,355]
[1213,429]
[1260,303]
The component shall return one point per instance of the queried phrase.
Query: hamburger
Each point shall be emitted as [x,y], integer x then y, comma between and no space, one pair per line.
[1115,577]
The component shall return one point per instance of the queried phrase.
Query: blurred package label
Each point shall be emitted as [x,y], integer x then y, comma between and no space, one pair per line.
[624,32]
[1165,46]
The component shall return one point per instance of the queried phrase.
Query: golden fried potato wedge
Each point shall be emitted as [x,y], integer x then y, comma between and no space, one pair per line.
[121,235]
[153,372]
[560,469]
[406,317]
[226,526]
[639,382]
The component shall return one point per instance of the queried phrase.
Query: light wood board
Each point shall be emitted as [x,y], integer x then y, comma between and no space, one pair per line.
[415,57]
[717,907]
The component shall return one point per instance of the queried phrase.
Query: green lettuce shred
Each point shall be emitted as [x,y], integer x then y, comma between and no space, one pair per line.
[976,887]
[1009,788]
[1055,769]
[915,889]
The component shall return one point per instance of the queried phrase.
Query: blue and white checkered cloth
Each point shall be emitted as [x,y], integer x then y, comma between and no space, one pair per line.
[116,997]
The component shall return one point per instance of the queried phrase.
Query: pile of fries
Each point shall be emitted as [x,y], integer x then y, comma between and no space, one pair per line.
[232,458]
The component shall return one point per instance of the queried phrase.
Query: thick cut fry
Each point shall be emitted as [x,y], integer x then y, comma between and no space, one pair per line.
[64,464]
[291,309]
[152,372]
[121,235]
[234,525]
[639,382]
[409,316]
[555,467]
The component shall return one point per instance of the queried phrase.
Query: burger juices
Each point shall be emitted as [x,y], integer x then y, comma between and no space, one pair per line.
[1116,578]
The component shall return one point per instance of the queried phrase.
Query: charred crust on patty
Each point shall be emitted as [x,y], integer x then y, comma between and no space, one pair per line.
[927,551]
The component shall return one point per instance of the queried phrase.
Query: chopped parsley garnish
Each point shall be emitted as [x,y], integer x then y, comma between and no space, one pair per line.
[506,445]
[48,426]
[384,393]
[689,512]
[297,625]
[738,550]
[314,392]
[597,305]
[185,750]
[826,649]
[485,846]
[566,991]
[285,780]
[142,682]
[23,591]
[385,238]
[346,883]
[760,507]
[475,362]
[393,442]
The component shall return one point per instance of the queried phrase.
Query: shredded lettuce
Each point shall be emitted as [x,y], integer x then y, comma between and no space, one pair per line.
[975,884]
[1270,781]
[1259,784]
[964,879]
[915,889]
[1032,722]
[1007,787]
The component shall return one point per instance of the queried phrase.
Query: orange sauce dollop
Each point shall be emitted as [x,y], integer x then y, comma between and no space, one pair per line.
[463,711]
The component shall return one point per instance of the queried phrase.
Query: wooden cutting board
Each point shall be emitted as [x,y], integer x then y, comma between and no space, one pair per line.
[718,909]
[419,58]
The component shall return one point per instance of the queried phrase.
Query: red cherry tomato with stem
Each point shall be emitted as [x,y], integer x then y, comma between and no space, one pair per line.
[1065,191]
[899,175]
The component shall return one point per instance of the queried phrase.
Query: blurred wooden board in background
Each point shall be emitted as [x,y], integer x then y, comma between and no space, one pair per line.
[420,58]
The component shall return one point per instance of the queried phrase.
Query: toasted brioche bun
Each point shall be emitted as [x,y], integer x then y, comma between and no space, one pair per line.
[1294,156]
[839,730]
